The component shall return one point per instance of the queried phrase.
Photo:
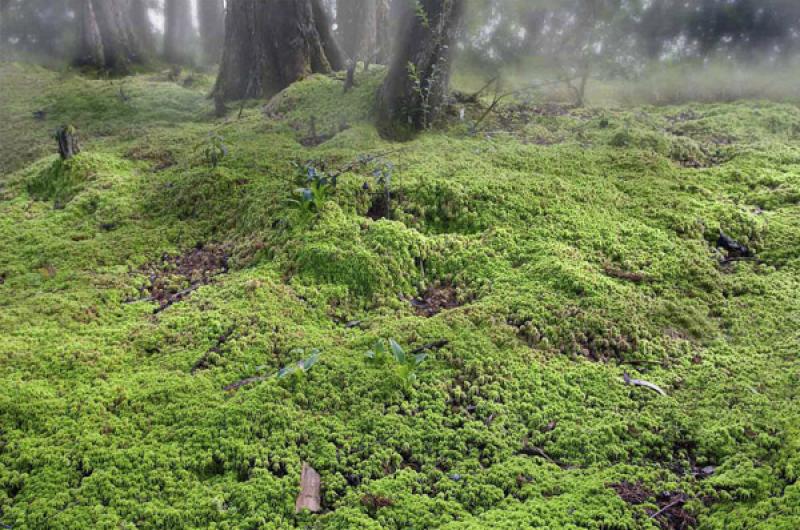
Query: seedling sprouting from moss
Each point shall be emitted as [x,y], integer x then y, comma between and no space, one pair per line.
[383,179]
[213,149]
[403,365]
[317,188]
[300,367]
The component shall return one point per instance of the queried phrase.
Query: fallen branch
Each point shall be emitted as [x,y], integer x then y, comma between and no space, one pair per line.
[244,382]
[680,500]
[433,346]
[642,383]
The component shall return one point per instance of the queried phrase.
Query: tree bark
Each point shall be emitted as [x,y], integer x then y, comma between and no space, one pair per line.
[91,47]
[67,139]
[4,25]
[211,15]
[419,76]
[140,19]
[383,32]
[270,44]
[107,38]
[178,29]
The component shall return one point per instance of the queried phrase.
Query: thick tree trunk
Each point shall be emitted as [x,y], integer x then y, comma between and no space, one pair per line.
[91,46]
[270,44]
[178,30]
[357,21]
[211,15]
[419,76]
[143,28]
[107,37]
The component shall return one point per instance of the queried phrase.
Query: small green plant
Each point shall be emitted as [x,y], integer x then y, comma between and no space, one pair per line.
[317,188]
[300,367]
[213,149]
[421,14]
[424,89]
[383,180]
[404,365]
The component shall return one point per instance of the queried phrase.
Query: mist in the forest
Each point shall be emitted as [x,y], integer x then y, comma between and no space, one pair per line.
[581,51]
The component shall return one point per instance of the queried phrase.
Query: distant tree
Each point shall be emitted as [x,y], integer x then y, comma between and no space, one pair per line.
[40,27]
[140,19]
[270,44]
[419,75]
[357,22]
[178,31]
[385,29]
[4,23]
[211,15]
[107,39]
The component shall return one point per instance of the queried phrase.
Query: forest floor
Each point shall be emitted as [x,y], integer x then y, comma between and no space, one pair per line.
[154,307]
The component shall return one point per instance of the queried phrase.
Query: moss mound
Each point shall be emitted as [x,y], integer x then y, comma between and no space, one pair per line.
[532,262]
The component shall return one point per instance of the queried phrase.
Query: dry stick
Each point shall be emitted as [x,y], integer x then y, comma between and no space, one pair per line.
[500,97]
[352,165]
[667,507]
[645,384]
[439,344]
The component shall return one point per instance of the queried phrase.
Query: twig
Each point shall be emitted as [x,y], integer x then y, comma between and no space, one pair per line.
[244,382]
[175,298]
[364,161]
[642,383]
[681,500]
[433,346]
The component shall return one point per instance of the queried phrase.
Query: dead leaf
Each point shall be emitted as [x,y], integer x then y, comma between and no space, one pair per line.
[310,489]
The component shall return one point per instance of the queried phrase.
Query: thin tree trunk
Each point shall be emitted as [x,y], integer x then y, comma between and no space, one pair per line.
[4,25]
[270,44]
[357,21]
[178,29]
[211,15]
[419,76]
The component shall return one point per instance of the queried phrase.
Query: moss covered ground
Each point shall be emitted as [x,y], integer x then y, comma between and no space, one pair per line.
[555,250]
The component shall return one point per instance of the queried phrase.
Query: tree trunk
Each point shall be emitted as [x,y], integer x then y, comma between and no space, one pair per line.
[357,21]
[4,25]
[178,29]
[140,18]
[419,76]
[107,38]
[384,32]
[270,44]
[211,15]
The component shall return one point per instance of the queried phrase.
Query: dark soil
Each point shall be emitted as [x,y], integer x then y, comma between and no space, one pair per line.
[161,159]
[670,514]
[632,493]
[435,300]
[173,278]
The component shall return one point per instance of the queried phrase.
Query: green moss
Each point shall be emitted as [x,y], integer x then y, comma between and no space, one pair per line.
[581,244]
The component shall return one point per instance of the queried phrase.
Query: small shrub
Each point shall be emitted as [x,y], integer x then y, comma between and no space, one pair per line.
[403,366]
[213,149]
[317,188]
